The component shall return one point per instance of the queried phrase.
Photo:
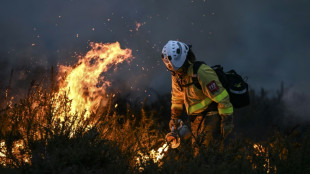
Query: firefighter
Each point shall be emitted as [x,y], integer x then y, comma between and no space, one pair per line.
[209,108]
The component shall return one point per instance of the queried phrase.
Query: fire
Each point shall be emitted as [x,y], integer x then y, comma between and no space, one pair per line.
[260,150]
[156,156]
[18,147]
[2,149]
[159,154]
[3,154]
[84,84]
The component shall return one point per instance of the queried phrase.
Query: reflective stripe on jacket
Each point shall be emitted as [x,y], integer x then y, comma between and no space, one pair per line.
[197,100]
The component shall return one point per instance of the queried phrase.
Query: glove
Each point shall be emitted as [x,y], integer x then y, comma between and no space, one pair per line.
[174,124]
[227,125]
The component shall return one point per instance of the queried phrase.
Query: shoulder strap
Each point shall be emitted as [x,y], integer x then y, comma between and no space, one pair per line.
[196,66]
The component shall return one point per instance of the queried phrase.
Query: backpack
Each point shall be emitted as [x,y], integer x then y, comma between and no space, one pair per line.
[235,85]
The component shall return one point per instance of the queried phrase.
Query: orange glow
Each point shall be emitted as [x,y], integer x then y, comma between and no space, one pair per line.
[18,147]
[138,25]
[260,150]
[81,83]
[156,156]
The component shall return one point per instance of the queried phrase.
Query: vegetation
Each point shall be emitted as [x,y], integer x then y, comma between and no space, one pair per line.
[34,139]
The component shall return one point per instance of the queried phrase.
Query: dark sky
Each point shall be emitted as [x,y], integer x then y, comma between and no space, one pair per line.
[266,40]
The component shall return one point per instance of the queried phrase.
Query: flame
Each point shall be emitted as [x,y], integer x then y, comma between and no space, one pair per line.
[3,152]
[156,156]
[18,147]
[159,154]
[84,84]
[260,150]
[2,149]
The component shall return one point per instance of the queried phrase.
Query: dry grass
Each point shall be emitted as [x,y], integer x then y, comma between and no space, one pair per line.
[111,139]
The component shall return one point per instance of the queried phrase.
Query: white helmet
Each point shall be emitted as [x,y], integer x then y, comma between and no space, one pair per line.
[174,54]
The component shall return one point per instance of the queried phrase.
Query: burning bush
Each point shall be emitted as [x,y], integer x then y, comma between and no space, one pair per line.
[76,127]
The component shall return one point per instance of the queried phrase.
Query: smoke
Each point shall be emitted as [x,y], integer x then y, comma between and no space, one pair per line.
[264,40]
[297,102]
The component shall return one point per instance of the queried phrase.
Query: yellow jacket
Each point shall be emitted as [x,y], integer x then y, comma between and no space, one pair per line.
[197,100]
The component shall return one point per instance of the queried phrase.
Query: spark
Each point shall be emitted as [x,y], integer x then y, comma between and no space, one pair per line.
[138,25]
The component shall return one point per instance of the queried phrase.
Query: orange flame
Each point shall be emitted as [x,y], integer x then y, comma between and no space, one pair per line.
[2,149]
[260,150]
[156,156]
[84,85]
[17,148]
[81,84]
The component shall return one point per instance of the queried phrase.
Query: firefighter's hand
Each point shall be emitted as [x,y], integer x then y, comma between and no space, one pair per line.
[174,124]
[227,125]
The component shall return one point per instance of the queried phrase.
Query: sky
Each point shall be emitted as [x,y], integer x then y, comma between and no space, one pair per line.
[266,41]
